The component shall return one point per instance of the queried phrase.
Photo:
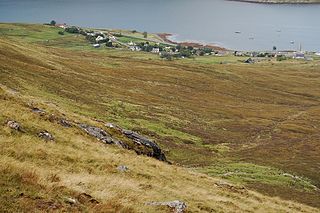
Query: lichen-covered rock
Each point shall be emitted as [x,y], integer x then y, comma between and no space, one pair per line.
[14,125]
[46,136]
[177,206]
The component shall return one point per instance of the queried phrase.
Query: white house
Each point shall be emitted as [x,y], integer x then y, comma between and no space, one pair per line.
[63,26]
[135,48]
[131,43]
[155,50]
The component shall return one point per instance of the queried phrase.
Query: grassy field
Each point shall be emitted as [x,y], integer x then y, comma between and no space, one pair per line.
[259,123]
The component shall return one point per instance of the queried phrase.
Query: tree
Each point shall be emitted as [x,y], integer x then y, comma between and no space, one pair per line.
[72,29]
[53,23]
[145,35]
[274,48]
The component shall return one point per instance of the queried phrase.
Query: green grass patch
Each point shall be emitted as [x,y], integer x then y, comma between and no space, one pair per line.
[247,173]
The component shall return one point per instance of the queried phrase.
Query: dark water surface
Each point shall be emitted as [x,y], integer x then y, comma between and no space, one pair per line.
[213,21]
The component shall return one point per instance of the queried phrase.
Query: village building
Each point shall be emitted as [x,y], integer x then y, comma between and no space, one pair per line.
[299,55]
[155,50]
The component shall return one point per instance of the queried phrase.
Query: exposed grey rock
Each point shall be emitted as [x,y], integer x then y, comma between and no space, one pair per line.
[98,133]
[14,125]
[37,110]
[46,136]
[178,206]
[65,123]
[120,144]
[110,125]
[102,135]
[122,168]
[135,137]
[70,200]
[249,61]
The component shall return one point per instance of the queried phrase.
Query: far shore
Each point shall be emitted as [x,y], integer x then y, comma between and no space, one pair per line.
[280,1]
[165,37]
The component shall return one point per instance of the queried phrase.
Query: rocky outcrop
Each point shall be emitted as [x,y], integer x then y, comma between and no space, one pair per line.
[14,125]
[65,123]
[46,136]
[38,110]
[177,206]
[142,145]
[101,135]
[122,168]
[128,139]
[98,133]
[140,140]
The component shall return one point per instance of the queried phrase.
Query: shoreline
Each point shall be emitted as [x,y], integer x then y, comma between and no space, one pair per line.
[278,2]
[165,38]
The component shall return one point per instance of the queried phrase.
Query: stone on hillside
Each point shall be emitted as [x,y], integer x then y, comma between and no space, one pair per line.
[37,110]
[122,168]
[177,206]
[70,200]
[249,61]
[140,140]
[86,198]
[110,125]
[65,123]
[98,133]
[14,125]
[46,136]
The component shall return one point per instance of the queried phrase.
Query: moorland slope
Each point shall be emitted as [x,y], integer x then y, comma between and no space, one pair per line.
[256,125]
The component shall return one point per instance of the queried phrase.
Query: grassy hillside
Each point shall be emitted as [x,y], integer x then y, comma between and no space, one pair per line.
[254,125]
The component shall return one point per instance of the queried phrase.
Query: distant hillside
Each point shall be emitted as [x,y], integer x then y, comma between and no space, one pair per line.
[282,1]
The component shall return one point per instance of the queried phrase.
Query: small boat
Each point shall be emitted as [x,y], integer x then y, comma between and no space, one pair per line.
[279,31]
[291,42]
[238,32]
[251,38]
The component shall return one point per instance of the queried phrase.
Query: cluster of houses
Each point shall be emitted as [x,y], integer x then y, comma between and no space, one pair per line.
[98,38]
[278,54]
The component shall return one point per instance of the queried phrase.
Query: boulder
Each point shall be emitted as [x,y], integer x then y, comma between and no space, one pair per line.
[102,135]
[122,168]
[46,136]
[70,200]
[14,125]
[37,110]
[177,206]
[141,140]
[249,61]
[98,133]
[65,123]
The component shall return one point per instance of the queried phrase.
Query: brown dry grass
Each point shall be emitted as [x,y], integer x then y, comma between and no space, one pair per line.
[40,176]
[267,113]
